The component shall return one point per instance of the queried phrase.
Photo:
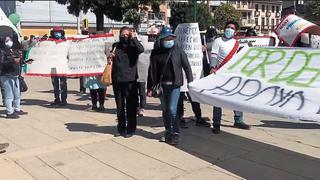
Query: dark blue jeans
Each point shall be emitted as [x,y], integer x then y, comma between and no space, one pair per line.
[60,85]
[169,102]
[217,113]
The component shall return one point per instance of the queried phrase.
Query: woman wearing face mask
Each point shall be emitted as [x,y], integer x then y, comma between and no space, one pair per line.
[10,70]
[166,65]
[124,80]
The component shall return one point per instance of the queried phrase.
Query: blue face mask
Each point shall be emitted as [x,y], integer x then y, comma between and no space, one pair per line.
[58,35]
[229,33]
[168,44]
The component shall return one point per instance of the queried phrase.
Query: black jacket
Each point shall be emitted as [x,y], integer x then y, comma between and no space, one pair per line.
[124,68]
[8,66]
[179,61]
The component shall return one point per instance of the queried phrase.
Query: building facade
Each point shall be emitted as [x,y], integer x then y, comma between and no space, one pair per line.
[263,15]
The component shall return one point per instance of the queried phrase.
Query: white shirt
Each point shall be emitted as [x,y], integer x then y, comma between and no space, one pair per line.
[220,49]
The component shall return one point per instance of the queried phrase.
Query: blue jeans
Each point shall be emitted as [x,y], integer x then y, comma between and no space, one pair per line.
[11,93]
[217,113]
[169,102]
[60,83]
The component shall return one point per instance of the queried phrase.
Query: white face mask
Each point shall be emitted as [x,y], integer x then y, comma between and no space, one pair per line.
[9,44]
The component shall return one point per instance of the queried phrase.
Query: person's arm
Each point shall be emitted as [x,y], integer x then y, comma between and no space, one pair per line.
[139,47]
[214,56]
[186,66]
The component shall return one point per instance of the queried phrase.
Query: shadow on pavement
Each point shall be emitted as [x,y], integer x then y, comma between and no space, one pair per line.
[84,127]
[288,125]
[247,158]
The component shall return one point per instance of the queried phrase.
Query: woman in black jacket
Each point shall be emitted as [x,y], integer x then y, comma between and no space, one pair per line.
[167,62]
[124,76]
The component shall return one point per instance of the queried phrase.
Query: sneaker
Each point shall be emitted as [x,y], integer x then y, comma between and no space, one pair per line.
[13,116]
[63,103]
[165,139]
[55,102]
[175,139]
[120,134]
[129,135]
[21,112]
[141,112]
[216,129]
[241,125]
[202,122]
[183,123]
[3,147]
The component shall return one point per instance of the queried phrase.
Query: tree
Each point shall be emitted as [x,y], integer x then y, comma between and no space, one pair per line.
[225,13]
[312,11]
[119,10]
[184,13]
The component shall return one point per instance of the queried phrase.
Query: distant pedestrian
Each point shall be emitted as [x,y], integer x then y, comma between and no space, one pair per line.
[97,92]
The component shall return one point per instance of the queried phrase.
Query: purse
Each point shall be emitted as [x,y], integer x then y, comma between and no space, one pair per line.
[106,77]
[157,88]
[23,84]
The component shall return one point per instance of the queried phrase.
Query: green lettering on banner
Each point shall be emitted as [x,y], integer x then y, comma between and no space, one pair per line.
[292,77]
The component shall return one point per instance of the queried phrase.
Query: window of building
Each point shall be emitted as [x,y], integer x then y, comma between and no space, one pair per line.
[267,8]
[244,15]
[263,7]
[257,7]
[272,23]
[277,21]
[262,22]
[268,21]
[256,21]
[272,9]
[278,9]
[300,2]
[249,15]
[244,2]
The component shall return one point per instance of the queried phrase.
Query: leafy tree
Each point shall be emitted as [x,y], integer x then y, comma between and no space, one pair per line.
[184,13]
[312,11]
[225,13]
[119,10]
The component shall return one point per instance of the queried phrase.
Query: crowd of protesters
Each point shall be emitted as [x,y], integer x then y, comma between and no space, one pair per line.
[166,65]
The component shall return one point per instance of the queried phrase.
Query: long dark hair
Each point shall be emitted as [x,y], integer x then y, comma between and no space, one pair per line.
[16,44]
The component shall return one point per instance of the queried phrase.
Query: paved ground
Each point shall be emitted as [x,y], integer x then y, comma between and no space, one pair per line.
[74,143]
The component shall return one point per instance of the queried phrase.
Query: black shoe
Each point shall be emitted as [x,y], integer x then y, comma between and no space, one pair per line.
[166,139]
[129,135]
[202,122]
[183,123]
[12,116]
[20,112]
[63,103]
[94,108]
[120,134]
[101,109]
[216,129]
[241,125]
[175,139]
[3,147]
[55,102]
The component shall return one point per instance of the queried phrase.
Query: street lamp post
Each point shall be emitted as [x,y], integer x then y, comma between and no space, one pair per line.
[194,10]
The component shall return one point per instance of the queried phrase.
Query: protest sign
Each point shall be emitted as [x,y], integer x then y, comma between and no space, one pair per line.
[256,41]
[74,57]
[291,27]
[273,81]
[189,39]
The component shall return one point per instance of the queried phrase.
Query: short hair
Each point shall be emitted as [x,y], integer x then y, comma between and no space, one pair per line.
[124,28]
[235,23]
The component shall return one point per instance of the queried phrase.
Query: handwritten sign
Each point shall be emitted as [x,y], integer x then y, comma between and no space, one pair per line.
[189,39]
[273,81]
[291,27]
[256,41]
[74,57]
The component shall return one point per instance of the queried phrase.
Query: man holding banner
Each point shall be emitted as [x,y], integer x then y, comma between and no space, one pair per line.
[223,49]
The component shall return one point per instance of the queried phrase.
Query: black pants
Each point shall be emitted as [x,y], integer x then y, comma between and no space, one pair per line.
[60,87]
[142,94]
[126,97]
[97,94]
[195,107]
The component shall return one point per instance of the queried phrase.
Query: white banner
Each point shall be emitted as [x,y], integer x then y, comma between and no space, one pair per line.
[273,81]
[189,39]
[292,26]
[74,57]
[256,41]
